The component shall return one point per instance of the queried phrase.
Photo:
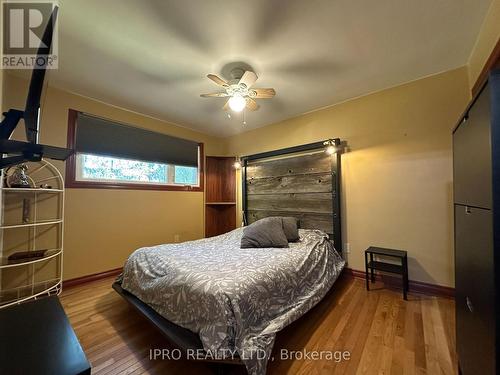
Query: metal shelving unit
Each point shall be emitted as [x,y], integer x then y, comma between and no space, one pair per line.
[24,228]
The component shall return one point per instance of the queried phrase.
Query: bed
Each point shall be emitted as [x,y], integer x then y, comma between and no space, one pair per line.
[210,294]
[235,299]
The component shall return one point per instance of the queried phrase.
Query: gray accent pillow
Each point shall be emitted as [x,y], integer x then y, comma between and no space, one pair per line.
[291,228]
[267,232]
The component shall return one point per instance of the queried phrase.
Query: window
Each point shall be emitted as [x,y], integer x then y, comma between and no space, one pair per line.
[111,155]
[185,175]
[109,169]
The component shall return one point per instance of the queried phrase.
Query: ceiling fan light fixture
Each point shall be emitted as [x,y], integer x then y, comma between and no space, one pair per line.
[237,103]
[239,92]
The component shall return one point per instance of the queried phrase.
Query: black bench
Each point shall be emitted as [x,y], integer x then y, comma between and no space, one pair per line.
[372,264]
[37,338]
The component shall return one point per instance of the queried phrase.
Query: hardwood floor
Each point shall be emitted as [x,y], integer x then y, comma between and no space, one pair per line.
[382,333]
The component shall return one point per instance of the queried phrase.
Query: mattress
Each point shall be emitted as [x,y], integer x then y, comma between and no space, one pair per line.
[235,299]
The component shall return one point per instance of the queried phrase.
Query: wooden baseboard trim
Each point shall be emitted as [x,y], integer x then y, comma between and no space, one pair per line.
[415,286]
[389,280]
[94,277]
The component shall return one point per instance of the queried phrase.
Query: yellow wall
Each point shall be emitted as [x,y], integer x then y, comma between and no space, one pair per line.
[102,227]
[397,172]
[488,38]
[396,176]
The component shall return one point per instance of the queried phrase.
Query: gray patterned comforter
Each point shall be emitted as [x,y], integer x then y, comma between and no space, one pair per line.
[235,299]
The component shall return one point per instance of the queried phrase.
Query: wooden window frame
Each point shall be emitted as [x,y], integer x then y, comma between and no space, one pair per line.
[72,182]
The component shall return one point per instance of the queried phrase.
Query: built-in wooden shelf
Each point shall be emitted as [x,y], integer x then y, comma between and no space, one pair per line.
[220,195]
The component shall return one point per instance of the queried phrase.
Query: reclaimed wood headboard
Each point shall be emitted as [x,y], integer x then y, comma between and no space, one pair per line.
[301,181]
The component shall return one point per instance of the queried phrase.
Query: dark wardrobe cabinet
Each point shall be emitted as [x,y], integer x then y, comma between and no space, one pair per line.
[476,185]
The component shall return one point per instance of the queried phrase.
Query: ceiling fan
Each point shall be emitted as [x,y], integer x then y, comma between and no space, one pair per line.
[239,91]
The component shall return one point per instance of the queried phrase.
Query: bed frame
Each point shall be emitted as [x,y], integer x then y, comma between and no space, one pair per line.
[301,181]
[179,337]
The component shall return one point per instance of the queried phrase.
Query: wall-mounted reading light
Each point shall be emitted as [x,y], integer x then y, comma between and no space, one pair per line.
[237,163]
[330,147]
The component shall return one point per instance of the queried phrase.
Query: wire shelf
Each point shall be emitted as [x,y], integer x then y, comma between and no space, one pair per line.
[51,253]
[21,294]
[23,207]
[32,190]
[33,224]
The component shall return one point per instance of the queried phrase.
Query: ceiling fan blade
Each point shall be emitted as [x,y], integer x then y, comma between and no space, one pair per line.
[252,105]
[262,93]
[226,106]
[217,80]
[248,79]
[215,95]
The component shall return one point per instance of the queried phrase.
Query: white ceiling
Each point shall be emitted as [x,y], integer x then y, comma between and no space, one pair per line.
[152,56]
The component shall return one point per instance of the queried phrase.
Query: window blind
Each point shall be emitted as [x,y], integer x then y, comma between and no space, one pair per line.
[99,136]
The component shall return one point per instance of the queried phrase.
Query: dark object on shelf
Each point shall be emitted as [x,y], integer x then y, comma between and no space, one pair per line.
[220,207]
[20,186]
[380,265]
[26,255]
[37,338]
[476,191]
[45,186]
[31,150]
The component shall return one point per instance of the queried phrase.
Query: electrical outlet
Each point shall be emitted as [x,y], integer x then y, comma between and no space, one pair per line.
[177,238]
[347,248]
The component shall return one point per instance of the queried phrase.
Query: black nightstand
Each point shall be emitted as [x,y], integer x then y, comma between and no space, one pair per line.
[401,269]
